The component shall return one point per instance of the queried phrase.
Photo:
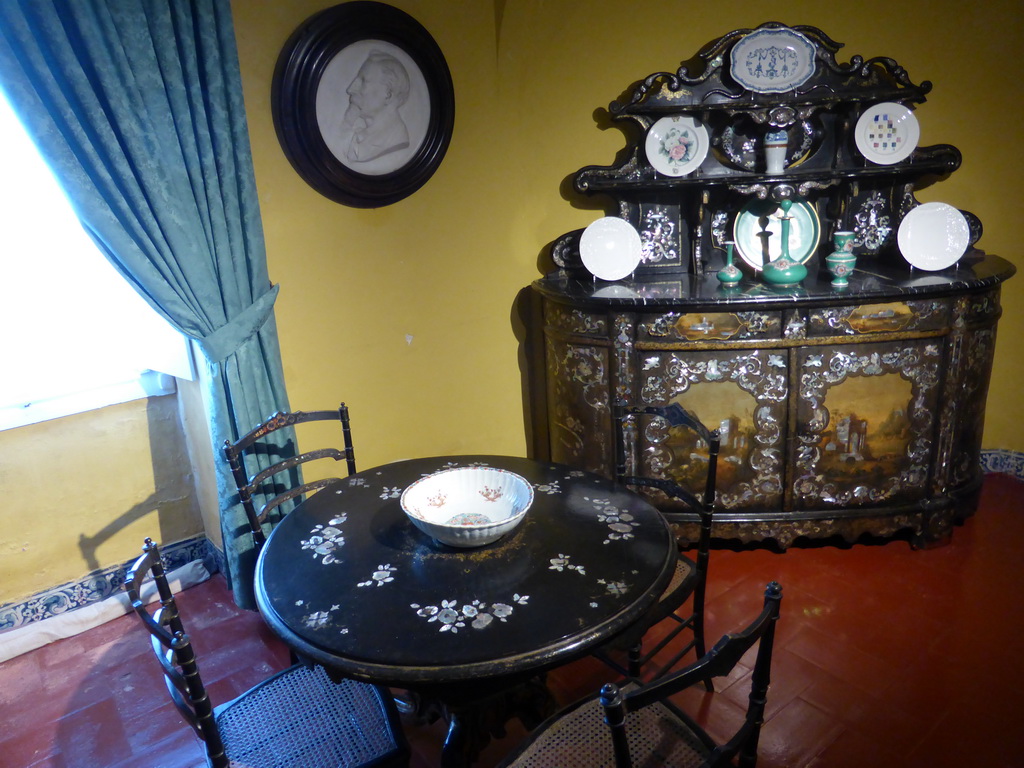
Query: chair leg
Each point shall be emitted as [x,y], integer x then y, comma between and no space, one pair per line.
[635,653]
[699,645]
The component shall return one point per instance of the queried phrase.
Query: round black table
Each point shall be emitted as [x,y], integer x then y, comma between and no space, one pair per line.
[348,582]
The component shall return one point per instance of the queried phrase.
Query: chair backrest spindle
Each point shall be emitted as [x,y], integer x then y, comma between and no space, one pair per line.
[628,421]
[633,724]
[717,662]
[266,481]
[173,650]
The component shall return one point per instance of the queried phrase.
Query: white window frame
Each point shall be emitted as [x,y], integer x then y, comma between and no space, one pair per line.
[74,335]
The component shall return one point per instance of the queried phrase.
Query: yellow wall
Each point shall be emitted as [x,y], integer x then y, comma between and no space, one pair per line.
[82,492]
[407,312]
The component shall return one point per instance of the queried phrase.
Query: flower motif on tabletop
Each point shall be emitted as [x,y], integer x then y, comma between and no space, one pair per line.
[614,587]
[380,577]
[552,488]
[326,541]
[356,482]
[451,617]
[620,522]
[320,619]
[561,563]
[316,619]
[390,493]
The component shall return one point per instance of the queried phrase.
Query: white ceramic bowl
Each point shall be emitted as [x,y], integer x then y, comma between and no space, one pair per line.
[468,506]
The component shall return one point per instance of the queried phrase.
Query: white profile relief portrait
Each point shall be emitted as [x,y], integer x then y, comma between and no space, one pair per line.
[373,107]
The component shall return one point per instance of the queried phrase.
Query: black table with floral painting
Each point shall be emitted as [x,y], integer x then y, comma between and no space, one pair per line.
[348,582]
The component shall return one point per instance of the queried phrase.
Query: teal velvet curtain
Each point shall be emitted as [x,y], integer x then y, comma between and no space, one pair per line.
[137,106]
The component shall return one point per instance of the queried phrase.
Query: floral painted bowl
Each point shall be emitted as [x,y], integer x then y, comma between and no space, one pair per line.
[468,506]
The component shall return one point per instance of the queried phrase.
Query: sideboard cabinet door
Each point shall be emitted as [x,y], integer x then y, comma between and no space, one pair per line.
[866,423]
[742,392]
[578,385]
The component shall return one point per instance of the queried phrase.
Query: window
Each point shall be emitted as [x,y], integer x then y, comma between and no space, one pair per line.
[75,335]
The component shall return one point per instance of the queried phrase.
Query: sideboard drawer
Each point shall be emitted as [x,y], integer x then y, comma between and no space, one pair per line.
[709,326]
[572,321]
[890,317]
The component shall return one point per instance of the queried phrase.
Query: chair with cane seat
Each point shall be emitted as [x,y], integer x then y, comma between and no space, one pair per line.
[297,718]
[639,724]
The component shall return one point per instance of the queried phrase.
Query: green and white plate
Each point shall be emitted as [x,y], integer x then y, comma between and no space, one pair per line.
[757,232]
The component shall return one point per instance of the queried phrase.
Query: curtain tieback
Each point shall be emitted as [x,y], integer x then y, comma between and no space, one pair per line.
[227,339]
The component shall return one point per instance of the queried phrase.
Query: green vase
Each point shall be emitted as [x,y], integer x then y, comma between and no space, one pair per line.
[842,260]
[784,272]
[729,274]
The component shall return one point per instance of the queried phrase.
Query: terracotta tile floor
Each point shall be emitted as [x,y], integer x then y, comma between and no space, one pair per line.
[885,656]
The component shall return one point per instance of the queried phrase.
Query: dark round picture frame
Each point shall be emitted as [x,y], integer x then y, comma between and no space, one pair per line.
[363,103]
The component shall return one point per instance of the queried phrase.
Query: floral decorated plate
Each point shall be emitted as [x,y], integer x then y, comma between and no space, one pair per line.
[772,60]
[677,145]
[887,133]
[610,248]
[933,236]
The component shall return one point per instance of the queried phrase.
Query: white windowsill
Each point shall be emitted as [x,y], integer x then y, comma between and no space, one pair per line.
[149,384]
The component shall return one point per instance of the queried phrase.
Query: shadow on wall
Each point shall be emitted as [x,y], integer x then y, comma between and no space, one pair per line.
[173,498]
[527,325]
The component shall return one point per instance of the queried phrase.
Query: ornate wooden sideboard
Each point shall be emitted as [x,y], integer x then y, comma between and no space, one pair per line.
[841,414]
[844,410]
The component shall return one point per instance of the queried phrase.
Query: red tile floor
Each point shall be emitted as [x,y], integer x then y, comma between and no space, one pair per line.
[885,656]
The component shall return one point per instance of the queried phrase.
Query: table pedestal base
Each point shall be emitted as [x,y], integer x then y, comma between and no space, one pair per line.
[473,720]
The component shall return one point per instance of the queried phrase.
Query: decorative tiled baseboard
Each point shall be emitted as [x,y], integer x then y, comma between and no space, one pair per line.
[1004,462]
[101,584]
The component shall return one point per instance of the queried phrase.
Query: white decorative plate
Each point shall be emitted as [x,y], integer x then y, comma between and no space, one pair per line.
[933,236]
[610,248]
[772,60]
[757,232]
[887,133]
[677,145]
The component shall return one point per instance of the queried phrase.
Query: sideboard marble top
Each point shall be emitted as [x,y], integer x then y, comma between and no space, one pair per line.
[871,281]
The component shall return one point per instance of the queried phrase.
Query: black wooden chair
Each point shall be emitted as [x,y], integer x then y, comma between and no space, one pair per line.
[270,482]
[637,725]
[690,577]
[297,718]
